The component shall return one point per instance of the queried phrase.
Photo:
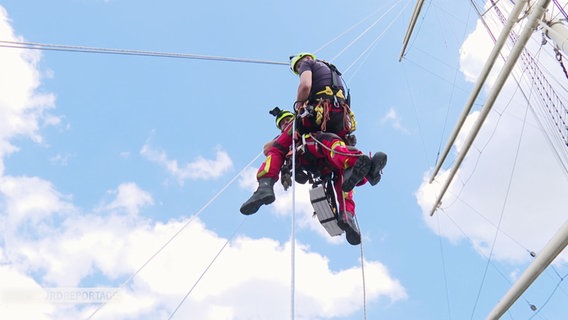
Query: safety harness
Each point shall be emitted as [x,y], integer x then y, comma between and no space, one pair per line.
[330,109]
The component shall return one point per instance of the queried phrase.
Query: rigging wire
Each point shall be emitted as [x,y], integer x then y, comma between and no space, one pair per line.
[465,180]
[374,43]
[364,32]
[471,240]
[538,310]
[444,272]
[481,215]
[208,267]
[561,9]
[411,96]
[552,294]
[173,237]
[362,271]
[83,49]
[325,45]
[505,202]
[452,92]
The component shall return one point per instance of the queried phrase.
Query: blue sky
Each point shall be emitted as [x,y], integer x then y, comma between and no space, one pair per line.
[105,158]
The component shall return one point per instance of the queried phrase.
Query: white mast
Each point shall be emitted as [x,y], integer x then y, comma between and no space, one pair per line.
[481,80]
[525,35]
[558,32]
[413,19]
[552,249]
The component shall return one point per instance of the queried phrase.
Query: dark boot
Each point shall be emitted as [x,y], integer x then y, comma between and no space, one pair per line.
[352,176]
[264,194]
[347,224]
[378,162]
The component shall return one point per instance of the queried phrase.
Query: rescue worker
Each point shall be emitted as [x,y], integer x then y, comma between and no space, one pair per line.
[334,153]
[267,175]
[320,99]
[322,104]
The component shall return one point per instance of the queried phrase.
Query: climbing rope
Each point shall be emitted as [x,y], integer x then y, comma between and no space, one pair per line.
[362,272]
[293,228]
[335,151]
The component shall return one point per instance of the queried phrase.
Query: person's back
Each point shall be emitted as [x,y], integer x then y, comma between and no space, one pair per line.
[322,77]
[321,96]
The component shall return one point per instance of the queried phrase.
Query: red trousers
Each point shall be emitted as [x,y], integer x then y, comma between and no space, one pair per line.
[328,150]
[276,155]
[329,154]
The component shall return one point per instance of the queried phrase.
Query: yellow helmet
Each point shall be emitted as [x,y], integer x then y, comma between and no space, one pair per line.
[294,60]
[283,115]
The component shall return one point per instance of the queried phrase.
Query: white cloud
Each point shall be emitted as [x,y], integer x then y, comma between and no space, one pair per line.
[522,195]
[22,108]
[115,245]
[201,168]
[130,198]
[509,180]
[30,199]
[392,117]
[16,292]
[61,159]
[49,242]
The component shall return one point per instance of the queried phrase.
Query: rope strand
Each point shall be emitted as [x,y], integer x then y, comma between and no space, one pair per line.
[207,268]
[173,237]
[58,47]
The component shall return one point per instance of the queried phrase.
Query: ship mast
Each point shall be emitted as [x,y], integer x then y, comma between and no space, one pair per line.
[558,33]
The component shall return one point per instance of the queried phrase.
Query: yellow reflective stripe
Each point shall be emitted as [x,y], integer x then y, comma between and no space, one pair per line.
[266,167]
[337,143]
[348,194]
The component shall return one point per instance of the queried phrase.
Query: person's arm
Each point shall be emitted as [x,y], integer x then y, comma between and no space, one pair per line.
[267,146]
[304,88]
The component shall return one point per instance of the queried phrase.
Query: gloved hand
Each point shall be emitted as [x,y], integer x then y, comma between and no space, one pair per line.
[351,140]
[285,178]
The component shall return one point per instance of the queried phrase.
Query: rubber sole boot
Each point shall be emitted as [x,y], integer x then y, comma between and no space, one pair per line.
[352,176]
[378,162]
[264,194]
[346,223]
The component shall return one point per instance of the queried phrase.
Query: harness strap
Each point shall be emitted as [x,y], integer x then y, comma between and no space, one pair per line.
[322,114]
[335,74]
[280,147]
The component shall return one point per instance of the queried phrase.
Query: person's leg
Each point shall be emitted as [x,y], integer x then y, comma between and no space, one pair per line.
[267,175]
[347,214]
